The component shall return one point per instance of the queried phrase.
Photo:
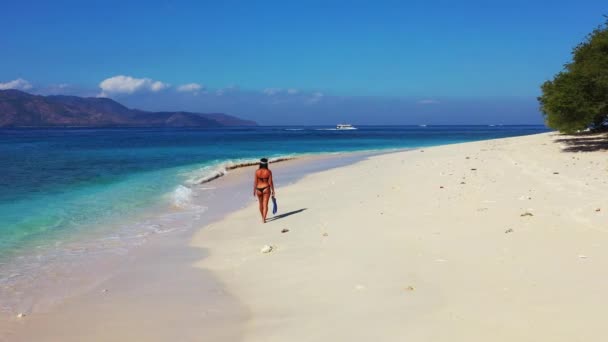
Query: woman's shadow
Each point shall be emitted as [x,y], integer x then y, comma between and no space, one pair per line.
[278,217]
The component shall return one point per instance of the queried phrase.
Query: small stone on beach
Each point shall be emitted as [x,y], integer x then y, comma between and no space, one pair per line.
[284,230]
[441,187]
[409,288]
[473,169]
[267,249]
[104,291]
[598,209]
[526,214]
[556,173]
[325,234]
[508,231]
[20,315]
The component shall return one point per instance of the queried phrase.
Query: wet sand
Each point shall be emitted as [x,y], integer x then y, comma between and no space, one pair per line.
[153,293]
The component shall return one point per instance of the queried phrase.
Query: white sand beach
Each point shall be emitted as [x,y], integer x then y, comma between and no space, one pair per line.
[498,240]
[501,240]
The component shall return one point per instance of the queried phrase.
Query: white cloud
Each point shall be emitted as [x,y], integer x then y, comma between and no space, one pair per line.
[190,87]
[128,85]
[19,84]
[428,102]
[158,85]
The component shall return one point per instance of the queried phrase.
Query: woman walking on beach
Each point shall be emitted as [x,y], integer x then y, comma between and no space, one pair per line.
[263,187]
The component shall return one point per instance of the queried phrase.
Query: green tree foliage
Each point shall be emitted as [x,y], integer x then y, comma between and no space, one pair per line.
[577,97]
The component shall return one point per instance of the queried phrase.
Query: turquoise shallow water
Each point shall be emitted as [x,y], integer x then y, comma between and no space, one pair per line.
[63,182]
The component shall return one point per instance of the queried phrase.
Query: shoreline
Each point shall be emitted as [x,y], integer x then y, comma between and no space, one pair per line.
[116,282]
[85,248]
[86,207]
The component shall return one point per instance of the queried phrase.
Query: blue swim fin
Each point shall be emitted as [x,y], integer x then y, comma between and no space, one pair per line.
[274,205]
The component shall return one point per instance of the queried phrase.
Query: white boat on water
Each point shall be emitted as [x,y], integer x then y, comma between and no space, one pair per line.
[345,127]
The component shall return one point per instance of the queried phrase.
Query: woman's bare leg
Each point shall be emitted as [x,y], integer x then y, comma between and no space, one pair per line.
[265,205]
[260,201]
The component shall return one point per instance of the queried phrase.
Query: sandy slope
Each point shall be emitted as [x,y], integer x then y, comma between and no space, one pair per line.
[428,246]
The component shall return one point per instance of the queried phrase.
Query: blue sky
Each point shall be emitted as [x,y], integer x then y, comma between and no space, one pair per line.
[288,62]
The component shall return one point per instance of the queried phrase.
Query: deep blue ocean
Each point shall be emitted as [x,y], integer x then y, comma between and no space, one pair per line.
[59,181]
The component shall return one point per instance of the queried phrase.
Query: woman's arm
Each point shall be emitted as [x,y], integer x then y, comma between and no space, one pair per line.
[255,183]
[271,182]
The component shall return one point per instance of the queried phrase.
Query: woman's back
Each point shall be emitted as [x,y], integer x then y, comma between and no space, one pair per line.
[263,175]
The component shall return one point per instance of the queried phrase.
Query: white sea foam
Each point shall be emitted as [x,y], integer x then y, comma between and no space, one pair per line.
[182,196]
[208,173]
[205,174]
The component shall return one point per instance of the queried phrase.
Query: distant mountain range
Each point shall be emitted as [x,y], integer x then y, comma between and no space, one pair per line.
[20,109]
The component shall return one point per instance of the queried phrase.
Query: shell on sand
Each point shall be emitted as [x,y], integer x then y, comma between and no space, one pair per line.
[267,249]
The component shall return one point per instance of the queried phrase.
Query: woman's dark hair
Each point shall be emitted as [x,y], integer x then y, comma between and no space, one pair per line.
[263,163]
